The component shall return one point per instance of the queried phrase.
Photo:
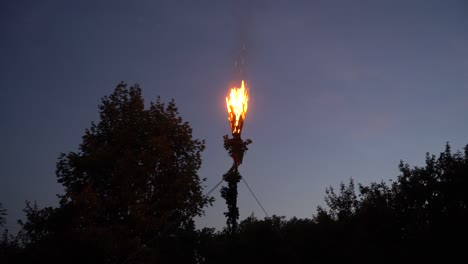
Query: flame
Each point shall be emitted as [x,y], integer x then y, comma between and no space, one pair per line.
[236,103]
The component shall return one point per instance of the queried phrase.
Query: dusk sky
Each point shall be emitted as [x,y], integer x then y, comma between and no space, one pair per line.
[338,89]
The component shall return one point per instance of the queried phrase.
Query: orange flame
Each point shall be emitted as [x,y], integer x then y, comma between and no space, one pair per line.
[236,103]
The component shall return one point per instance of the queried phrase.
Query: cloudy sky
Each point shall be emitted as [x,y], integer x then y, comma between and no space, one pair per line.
[338,89]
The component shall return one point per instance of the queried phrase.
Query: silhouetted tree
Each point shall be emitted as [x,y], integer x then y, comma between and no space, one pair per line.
[2,215]
[9,244]
[9,248]
[431,204]
[422,215]
[343,205]
[132,186]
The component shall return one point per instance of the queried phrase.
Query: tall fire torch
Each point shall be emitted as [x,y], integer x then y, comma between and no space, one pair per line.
[236,102]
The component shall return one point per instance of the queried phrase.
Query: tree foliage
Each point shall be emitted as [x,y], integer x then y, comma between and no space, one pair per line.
[421,216]
[2,215]
[136,165]
[133,179]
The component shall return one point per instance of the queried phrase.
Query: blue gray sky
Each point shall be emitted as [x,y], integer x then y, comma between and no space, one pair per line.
[338,89]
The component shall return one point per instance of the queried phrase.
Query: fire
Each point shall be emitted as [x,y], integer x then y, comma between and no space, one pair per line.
[236,103]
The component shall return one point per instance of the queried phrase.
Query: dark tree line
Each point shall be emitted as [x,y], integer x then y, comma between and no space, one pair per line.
[422,217]
[132,189]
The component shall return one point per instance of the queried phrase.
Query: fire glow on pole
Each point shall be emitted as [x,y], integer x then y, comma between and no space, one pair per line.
[237,104]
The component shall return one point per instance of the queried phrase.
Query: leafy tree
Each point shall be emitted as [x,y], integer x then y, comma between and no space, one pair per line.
[133,180]
[344,204]
[9,244]
[423,214]
[2,215]
[431,203]
[9,247]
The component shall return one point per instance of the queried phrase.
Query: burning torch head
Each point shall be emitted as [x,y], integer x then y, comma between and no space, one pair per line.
[237,102]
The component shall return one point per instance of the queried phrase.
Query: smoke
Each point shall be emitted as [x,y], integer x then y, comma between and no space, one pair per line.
[243,15]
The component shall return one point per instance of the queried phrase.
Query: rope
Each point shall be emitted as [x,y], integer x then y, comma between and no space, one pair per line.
[177,221]
[253,194]
[282,236]
[214,188]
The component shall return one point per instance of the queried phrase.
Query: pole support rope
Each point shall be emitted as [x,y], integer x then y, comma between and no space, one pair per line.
[256,199]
